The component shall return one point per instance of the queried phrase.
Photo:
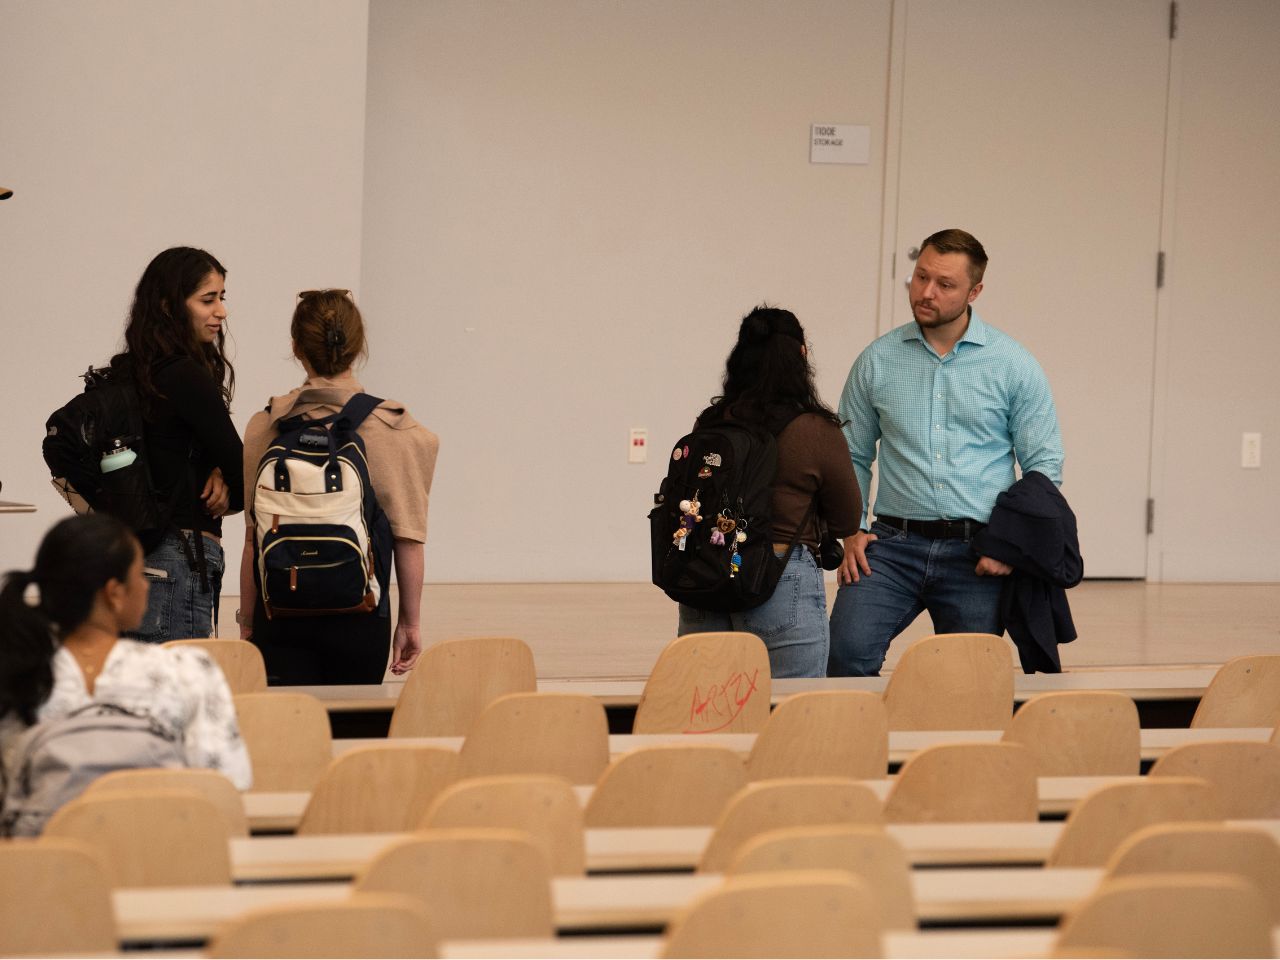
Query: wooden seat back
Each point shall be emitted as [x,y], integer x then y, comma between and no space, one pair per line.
[952,681]
[210,784]
[1248,852]
[455,680]
[802,913]
[1174,915]
[667,785]
[1246,773]
[154,838]
[823,733]
[383,788]
[54,898]
[867,852]
[796,802]
[1085,733]
[546,808]
[1110,814]
[707,683]
[288,737]
[1245,692]
[560,734]
[965,782]
[240,660]
[487,884]
[364,925]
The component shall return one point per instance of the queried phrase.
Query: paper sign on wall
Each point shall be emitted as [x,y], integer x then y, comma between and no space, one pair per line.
[839,143]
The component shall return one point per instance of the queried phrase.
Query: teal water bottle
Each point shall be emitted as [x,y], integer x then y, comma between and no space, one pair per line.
[118,456]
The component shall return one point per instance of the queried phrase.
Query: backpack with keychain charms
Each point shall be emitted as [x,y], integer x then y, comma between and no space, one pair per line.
[711,526]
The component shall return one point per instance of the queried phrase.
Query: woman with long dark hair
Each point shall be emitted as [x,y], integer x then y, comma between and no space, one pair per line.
[61,649]
[174,354]
[768,383]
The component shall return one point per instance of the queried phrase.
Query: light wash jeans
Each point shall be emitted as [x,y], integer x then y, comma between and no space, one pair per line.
[178,608]
[792,623]
[909,573]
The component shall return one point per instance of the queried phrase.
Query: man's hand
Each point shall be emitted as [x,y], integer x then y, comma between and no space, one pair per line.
[216,496]
[405,647]
[855,558]
[987,567]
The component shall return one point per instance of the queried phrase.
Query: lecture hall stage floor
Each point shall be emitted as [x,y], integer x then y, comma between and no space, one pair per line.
[616,630]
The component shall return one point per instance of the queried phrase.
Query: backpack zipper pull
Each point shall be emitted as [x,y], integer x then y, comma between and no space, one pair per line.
[293,579]
[275,523]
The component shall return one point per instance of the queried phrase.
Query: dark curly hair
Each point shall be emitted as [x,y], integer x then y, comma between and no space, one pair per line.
[159,326]
[768,378]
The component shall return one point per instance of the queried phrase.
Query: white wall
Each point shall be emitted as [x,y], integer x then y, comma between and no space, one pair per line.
[564,208]
[569,206]
[1215,520]
[136,125]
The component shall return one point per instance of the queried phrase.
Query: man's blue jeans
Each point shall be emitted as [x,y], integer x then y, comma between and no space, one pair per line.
[792,623]
[909,573]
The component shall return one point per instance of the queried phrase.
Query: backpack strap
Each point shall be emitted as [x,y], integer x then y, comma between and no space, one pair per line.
[347,420]
[356,410]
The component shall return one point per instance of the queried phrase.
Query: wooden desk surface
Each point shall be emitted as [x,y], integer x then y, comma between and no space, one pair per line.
[1140,683]
[959,944]
[615,850]
[280,812]
[997,944]
[181,914]
[1154,743]
[620,850]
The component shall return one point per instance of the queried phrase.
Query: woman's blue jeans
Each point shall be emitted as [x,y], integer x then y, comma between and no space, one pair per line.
[178,607]
[792,623]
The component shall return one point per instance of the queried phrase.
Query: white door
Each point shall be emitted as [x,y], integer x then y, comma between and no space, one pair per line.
[1039,127]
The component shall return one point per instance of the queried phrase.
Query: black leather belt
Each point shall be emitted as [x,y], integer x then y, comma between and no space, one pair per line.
[935,529]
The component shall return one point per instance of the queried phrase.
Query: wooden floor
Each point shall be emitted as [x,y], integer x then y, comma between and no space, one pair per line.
[615,630]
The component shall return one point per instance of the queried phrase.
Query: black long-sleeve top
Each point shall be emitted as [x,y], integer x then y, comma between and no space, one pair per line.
[189,432]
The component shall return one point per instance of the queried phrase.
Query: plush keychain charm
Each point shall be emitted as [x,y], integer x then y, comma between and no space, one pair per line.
[724,525]
[689,517]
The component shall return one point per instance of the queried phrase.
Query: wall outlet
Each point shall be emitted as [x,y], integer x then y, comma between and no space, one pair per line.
[1251,451]
[638,449]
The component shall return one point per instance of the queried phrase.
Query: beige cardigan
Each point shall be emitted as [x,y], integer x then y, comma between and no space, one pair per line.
[401,451]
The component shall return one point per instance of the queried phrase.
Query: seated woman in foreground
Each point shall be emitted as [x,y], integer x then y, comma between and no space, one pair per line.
[61,651]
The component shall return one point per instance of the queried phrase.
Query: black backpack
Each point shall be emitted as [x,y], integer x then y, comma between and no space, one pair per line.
[711,527]
[79,433]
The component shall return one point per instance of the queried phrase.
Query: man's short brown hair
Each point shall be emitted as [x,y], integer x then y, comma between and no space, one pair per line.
[954,240]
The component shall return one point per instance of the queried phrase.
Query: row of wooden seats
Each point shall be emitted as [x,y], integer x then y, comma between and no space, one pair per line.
[943,682]
[496,883]
[835,733]
[173,836]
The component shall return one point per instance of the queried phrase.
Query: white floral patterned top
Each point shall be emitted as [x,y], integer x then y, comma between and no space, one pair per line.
[181,687]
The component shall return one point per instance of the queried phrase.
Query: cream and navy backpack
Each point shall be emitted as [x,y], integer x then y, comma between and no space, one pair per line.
[322,544]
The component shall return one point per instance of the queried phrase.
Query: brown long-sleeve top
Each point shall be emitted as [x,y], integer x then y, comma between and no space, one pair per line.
[813,460]
[401,451]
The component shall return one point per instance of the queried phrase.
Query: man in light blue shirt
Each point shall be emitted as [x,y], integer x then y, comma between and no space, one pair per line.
[953,403]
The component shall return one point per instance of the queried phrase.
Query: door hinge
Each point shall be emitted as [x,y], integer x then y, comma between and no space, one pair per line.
[1173,19]
[1160,270]
[1151,516]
